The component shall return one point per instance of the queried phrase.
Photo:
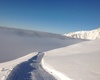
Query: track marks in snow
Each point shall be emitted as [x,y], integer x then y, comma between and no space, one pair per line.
[30,70]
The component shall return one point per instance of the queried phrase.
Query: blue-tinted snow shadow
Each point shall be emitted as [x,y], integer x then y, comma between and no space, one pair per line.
[23,70]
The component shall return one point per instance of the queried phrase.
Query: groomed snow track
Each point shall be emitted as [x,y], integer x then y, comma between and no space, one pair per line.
[30,70]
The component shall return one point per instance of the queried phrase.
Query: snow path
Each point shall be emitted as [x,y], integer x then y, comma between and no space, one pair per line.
[30,70]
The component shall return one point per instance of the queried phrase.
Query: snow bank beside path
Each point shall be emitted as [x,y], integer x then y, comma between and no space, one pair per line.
[29,67]
[7,67]
[58,75]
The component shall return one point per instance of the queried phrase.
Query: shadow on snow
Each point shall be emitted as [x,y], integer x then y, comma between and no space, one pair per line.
[23,70]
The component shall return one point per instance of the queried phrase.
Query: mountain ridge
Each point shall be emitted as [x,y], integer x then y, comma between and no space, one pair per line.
[91,35]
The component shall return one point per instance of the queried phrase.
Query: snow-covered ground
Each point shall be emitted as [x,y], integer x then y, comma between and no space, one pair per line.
[7,67]
[80,61]
[65,58]
[92,34]
[75,62]
[30,70]
[15,43]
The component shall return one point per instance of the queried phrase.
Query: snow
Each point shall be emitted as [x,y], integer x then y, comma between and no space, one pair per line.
[15,43]
[7,67]
[93,34]
[30,70]
[65,58]
[58,75]
[80,61]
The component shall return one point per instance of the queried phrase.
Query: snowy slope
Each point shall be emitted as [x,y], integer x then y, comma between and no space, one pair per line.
[7,67]
[93,34]
[29,70]
[25,68]
[15,43]
[80,61]
[76,60]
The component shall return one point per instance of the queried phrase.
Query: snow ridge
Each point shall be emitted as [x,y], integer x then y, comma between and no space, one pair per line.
[93,34]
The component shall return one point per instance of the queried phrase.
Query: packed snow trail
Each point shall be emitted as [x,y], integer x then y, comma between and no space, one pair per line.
[30,70]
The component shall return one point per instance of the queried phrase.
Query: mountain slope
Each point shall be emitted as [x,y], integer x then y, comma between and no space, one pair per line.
[93,34]
[15,43]
[75,62]
[80,61]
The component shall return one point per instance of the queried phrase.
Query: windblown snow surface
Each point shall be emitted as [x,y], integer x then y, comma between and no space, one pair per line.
[15,43]
[80,61]
[92,34]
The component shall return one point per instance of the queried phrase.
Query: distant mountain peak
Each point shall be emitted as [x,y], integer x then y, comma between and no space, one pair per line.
[98,29]
[92,34]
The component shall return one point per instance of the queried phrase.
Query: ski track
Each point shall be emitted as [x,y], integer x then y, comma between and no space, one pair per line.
[30,70]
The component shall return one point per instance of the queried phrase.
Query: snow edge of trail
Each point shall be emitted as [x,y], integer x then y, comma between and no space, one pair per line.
[9,65]
[58,75]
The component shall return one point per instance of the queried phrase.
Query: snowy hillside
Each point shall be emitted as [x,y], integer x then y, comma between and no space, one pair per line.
[76,62]
[25,68]
[93,34]
[15,43]
[47,56]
